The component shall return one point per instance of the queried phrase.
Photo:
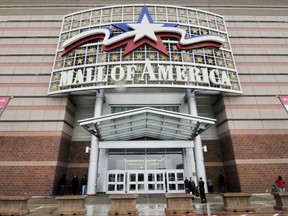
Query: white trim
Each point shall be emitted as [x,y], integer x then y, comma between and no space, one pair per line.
[146,144]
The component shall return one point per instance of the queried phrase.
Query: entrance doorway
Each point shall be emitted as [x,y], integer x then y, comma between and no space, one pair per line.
[143,170]
[145,181]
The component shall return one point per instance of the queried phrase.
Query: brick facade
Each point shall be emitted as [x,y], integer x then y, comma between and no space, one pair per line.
[39,164]
[248,160]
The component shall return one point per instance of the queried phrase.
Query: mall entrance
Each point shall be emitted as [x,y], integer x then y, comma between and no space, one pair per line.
[153,181]
[145,171]
[144,150]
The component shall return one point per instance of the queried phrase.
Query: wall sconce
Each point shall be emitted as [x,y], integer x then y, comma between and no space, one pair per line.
[204,148]
[87,149]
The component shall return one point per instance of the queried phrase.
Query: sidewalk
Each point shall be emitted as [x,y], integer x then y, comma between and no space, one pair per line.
[155,204]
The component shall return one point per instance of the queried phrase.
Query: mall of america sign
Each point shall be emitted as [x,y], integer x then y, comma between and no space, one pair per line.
[144,46]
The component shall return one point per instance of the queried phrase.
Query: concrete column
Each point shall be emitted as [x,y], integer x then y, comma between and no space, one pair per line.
[101,182]
[190,163]
[94,148]
[198,151]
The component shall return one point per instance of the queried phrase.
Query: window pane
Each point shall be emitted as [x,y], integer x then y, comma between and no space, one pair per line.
[140,177]
[159,177]
[135,159]
[111,178]
[120,177]
[180,177]
[174,161]
[116,162]
[156,161]
[151,177]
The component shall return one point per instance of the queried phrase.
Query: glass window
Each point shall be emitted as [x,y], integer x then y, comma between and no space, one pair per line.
[116,159]
[120,187]
[145,159]
[155,158]
[111,187]
[120,177]
[160,177]
[151,187]
[135,159]
[156,161]
[132,177]
[151,177]
[171,176]
[111,178]
[117,109]
[116,162]
[174,159]
[132,187]
[140,177]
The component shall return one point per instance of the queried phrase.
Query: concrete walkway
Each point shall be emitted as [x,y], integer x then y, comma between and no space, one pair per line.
[154,205]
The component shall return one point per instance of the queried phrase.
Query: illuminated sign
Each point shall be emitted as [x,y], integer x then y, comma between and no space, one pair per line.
[144,46]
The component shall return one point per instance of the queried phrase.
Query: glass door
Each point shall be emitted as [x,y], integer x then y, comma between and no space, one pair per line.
[175,181]
[156,182]
[136,181]
[116,182]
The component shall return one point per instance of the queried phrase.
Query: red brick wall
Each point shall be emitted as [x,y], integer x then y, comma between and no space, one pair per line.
[27,174]
[213,161]
[78,163]
[213,153]
[257,175]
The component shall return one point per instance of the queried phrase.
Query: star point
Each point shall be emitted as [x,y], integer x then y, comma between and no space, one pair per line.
[145,29]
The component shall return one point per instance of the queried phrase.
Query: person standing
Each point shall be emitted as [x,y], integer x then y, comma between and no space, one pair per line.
[280,183]
[84,184]
[192,186]
[210,185]
[201,185]
[186,185]
[74,184]
[61,185]
[222,183]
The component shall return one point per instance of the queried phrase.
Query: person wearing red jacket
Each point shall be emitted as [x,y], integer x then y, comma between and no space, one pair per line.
[280,183]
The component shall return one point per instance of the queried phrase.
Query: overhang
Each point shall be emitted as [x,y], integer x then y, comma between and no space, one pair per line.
[146,122]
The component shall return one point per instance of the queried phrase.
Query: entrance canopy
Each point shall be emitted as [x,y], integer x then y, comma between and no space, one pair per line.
[146,122]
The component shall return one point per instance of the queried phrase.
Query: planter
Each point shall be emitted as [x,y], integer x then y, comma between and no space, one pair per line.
[123,204]
[237,202]
[13,205]
[71,205]
[179,204]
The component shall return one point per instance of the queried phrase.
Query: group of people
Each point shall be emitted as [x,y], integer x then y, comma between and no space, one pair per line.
[74,185]
[191,188]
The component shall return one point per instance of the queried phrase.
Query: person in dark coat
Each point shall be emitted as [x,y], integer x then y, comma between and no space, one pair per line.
[186,185]
[222,183]
[75,184]
[61,185]
[201,186]
[84,185]
[192,186]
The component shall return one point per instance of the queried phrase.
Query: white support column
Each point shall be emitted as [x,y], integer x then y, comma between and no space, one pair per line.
[94,148]
[190,163]
[199,158]
[101,181]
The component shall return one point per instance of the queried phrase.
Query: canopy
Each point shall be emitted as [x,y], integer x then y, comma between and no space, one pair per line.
[146,122]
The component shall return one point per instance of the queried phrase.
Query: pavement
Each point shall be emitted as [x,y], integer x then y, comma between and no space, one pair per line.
[155,204]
